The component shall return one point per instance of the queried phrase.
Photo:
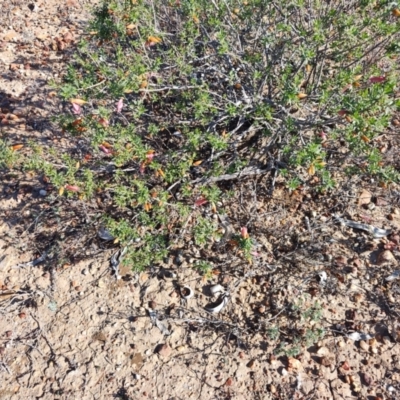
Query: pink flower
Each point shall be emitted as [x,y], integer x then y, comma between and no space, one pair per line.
[105,150]
[72,188]
[150,156]
[76,109]
[244,233]
[200,201]
[120,104]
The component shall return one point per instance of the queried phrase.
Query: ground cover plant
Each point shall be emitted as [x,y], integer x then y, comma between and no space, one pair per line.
[169,101]
[168,106]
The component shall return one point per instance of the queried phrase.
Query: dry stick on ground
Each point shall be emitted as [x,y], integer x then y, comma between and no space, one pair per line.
[237,175]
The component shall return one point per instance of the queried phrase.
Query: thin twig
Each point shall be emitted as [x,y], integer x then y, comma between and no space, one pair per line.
[227,177]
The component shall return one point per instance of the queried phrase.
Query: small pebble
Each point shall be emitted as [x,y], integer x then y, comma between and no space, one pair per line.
[22,315]
[164,350]
[85,271]
[357,297]
[152,304]
[43,192]
[101,284]
[373,342]
[364,345]
[323,351]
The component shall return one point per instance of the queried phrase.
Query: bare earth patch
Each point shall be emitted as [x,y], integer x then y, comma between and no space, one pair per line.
[74,331]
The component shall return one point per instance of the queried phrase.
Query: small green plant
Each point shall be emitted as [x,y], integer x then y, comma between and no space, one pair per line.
[292,350]
[204,268]
[313,336]
[165,99]
[273,332]
[8,156]
[203,231]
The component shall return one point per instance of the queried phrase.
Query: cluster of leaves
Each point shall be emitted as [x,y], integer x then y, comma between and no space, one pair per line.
[163,94]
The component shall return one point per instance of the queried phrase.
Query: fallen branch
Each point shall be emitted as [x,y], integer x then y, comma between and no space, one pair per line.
[246,172]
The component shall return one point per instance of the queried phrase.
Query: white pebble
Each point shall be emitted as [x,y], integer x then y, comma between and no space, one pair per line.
[43,192]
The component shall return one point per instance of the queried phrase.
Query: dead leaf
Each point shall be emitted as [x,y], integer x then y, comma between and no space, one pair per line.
[377,79]
[107,145]
[301,96]
[311,170]
[365,139]
[396,12]
[196,163]
[79,102]
[100,336]
[153,40]
[16,147]
[104,122]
